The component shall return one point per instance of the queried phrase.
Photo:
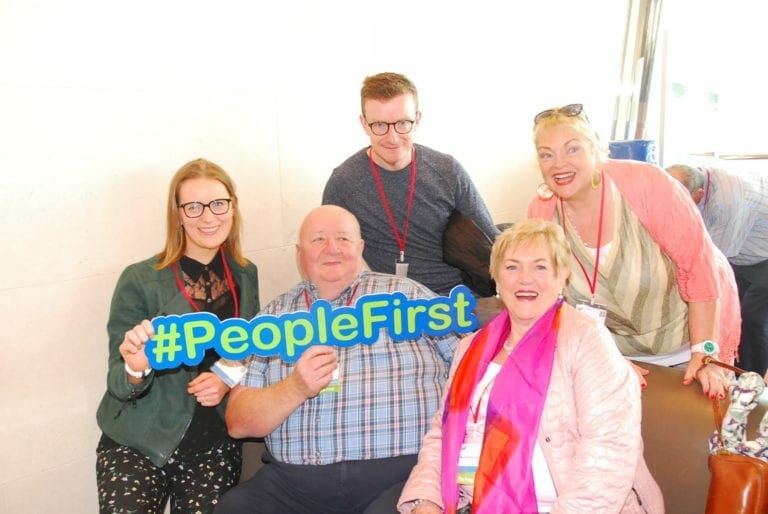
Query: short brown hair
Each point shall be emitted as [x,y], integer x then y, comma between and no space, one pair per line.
[385,86]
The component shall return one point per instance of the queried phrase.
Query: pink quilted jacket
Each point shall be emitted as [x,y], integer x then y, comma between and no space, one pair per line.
[589,432]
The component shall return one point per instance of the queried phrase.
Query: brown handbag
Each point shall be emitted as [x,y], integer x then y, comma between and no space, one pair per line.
[739,483]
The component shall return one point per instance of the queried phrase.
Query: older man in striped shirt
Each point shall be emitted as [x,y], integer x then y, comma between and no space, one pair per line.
[337,442]
[734,206]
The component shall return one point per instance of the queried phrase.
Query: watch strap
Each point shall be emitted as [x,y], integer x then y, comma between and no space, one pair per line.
[706,347]
[137,374]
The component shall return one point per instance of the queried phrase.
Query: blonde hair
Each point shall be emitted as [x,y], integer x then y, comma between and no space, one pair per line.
[579,123]
[532,231]
[175,242]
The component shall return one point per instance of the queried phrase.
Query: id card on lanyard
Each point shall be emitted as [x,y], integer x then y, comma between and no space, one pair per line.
[401,265]
[591,308]
[334,386]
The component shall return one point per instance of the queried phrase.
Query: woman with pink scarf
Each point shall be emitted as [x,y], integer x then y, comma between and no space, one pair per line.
[541,412]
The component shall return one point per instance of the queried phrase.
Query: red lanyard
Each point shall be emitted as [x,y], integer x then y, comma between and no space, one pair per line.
[230,283]
[401,240]
[349,300]
[593,283]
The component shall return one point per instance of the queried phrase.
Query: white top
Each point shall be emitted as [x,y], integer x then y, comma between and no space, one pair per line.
[604,251]
[470,450]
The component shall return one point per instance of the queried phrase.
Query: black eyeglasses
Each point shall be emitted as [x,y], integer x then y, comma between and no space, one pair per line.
[567,110]
[380,128]
[196,209]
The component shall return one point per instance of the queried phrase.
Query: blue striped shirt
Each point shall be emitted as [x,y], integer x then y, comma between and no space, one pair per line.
[736,213]
[389,390]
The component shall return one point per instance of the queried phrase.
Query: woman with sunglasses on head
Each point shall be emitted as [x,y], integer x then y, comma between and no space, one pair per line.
[163,434]
[642,259]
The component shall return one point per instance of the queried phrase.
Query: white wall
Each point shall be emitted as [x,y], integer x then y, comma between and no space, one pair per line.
[101,102]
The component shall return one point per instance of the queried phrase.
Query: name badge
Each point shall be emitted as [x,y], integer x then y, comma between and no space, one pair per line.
[594,310]
[334,385]
[469,457]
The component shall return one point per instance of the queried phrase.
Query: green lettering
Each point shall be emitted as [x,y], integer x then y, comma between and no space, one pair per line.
[274,336]
[205,332]
[345,323]
[413,313]
[461,305]
[439,320]
[369,319]
[231,336]
[291,341]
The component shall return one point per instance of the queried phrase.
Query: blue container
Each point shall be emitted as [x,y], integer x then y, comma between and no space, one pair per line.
[635,149]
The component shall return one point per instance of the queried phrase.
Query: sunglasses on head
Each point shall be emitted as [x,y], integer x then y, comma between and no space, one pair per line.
[567,110]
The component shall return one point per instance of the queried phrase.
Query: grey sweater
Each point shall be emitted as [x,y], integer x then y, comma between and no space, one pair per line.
[442,186]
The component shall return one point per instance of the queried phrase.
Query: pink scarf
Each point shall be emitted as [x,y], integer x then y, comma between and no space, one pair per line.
[504,478]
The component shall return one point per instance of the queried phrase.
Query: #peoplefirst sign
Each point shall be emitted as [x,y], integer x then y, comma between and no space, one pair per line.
[183,339]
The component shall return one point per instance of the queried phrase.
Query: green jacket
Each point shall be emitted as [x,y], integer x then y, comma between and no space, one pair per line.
[152,417]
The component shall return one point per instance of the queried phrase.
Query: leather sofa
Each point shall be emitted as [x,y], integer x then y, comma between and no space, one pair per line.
[677,423]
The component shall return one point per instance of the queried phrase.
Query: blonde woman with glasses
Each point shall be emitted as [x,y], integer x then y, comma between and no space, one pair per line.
[163,432]
[641,257]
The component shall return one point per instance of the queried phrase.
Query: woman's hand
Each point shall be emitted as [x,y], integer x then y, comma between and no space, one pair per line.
[641,372]
[713,379]
[132,347]
[208,389]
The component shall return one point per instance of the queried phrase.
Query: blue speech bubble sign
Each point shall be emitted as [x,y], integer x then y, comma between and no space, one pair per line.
[183,339]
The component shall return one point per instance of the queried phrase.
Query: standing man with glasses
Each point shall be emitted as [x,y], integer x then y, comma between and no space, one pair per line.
[403,194]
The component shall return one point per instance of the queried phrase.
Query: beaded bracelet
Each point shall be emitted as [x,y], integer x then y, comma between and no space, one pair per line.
[415,503]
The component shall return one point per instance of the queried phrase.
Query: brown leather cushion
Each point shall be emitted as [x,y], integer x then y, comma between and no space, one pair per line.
[468,248]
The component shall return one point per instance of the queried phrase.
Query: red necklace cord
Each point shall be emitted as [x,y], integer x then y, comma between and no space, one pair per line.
[401,240]
[593,283]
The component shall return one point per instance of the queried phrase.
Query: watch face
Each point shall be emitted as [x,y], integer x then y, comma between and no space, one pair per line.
[709,347]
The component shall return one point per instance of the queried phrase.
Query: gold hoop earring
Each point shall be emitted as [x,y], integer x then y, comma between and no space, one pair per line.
[596,178]
[544,192]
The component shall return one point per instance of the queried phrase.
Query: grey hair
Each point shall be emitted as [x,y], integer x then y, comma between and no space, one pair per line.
[693,176]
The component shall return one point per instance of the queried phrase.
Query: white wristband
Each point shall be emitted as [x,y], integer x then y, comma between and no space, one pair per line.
[137,374]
